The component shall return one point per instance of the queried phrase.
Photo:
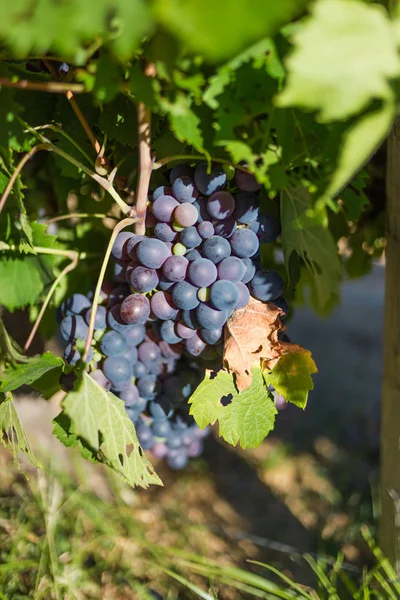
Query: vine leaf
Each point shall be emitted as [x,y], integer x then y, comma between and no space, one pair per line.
[13,377]
[303,233]
[100,419]
[346,73]
[21,284]
[291,376]
[245,417]
[250,334]
[12,433]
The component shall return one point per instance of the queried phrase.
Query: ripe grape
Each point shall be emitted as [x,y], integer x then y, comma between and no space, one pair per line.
[149,353]
[266,228]
[163,190]
[195,345]
[162,306]
[143,279]
[216,249]
[180,171]
[202,272]
[205,229]
[135,309]
[120,248]
[186,214]
[247,207]
[175,268]
[266,285]
[184,295]
[225,228]
[140,370]
[209,317]
[193,255]
[163,208]
[221,205]
[148,386]
[164,232]
[247,182]
[145,436]
[160,428]
[100,321]
[183,331]
[133,242]
[168,333]
[211,336]
[244,295]
[74,305]
[152,253]
[244,243]
[184,189]
[224,295]
[250,270]
[190,237]
[73,327]
[117,370]
[231,268]
[208,183]
[190,319]
[113,343]
[101,379]
[131,354]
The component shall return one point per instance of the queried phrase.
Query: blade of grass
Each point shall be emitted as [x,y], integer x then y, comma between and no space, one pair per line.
[284,578]
[383,562]
[385,586]
[185,582]
[323,579]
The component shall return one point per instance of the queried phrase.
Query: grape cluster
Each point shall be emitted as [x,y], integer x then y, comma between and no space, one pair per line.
[162,319]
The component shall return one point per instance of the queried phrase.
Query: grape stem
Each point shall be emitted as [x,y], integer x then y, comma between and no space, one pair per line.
[106,184]
[119,227]
[164,161]
[71,254]
[70,267]
[78,216]
[55,87]
[145,166]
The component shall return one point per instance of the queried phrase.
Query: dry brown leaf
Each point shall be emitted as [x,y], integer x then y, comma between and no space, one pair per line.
[250,334]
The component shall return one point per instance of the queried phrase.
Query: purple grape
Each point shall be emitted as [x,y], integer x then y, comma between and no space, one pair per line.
[175,268]
[145,436]
[190,238]
[113,343]
[133,242]
[202,272]
[177,459]
[162,306]
[184,295]
[183,331]
[211,336]
[135,309]
[168,333]
[247,207]
[134,334]
[186,215]
[130,395]
[231,268]
[224,295]
[149,353]
[208,183]
[209,317]
[266,285]
[267,228]
[164,284]
[201,205]
[247,182]
[221,205]
[143,279]
[159,450]
[165,233]
[195,345]
[184,189]
[117,370]
[250,269]
[100,321]
[205,229]
[225,228]
[244,295]
[140,370]
[216,249]
[152,253]
[161,191]
[163,208]
[101,379]
[73,327]
[161,428]
[75,305]
[180,171]
[118,294]
[119,272]
[244,243]
[190,319]
[148,387]
[193,255]
[131,355]
[120,248]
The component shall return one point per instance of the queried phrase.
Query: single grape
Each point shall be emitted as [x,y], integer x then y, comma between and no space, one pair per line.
[163,190]
[231,268]
[163,208]
[143,279]
[160,450]
[160,428]
[208,183]
[162,306]
[113,343]
[244,295]
[180,171]
[250,269]
[190,238]
[184,189]
[132,244]
[140,370]
[202,272]
[131,354]
[247,182]
[193,255]
[130,394]
[148,387]
[205,229]
[221,205]
[134,334]
[224,295]
[190,319]
[244,243]
[247,207]
[216,249]
[152,253]
[164,232]
[186,215]
[120,248]
[74,305]
[266,285]
[168,333]
[149,353]
[117,370]
[209,317]
[174,440]
[135,309]
[99,376]
[73,327]
[225,228]
[184,295]
[100,321]
[266,228]
[211,336]
[183,331]
[175,268]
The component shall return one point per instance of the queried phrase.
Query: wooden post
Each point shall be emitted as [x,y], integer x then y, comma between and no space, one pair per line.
[390,428]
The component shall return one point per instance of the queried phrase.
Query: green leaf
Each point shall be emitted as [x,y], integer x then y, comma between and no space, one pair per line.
[134,21]
[291,377]
[13,435]
[13,377]
[303,233]
[184,122]
[359,143]
[21,284]
[220,30]
[64,431]
[100,419]
[246,417]
[335,68]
